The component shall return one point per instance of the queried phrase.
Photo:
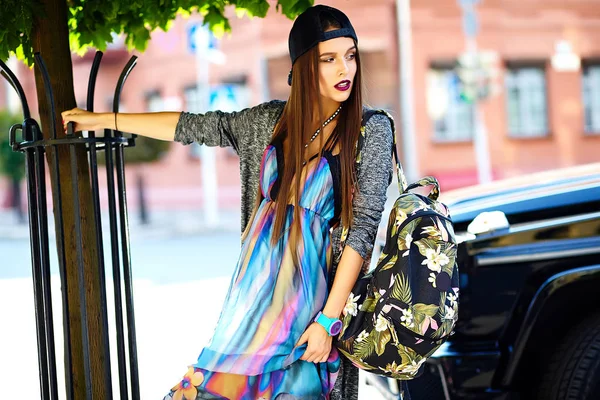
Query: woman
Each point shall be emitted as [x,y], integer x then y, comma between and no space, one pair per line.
[274,336]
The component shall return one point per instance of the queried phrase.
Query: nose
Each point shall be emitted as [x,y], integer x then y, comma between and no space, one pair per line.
[343,68]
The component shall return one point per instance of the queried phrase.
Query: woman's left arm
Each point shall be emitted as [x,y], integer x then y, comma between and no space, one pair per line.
[375,175]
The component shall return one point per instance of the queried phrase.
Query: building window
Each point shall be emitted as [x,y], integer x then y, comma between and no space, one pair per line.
[452,116]
[526,101]
[591,98]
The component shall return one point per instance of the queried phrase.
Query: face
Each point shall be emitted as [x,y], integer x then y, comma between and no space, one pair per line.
[337,69]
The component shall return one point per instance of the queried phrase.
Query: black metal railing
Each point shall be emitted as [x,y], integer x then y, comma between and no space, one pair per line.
[35,147]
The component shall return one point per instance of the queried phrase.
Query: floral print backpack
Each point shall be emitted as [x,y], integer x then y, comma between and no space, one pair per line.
[399,314]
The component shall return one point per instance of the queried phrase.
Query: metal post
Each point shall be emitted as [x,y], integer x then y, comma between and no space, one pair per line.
[116,269]
[207,154]
[34,230]
[128,281]
[98,224]
[482,153]
[409,145]
[36,264]
[33,145]
[45,269]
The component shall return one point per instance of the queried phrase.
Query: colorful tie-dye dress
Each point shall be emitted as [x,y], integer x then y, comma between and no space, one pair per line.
[271,301]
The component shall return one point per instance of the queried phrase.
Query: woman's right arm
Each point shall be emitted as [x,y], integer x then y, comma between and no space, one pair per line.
[160,125]
[214,128]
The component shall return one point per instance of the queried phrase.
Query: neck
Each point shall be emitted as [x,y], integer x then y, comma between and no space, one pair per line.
[329,107]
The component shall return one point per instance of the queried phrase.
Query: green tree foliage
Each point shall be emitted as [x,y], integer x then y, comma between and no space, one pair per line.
[145,150]
[12,164]
[93,22]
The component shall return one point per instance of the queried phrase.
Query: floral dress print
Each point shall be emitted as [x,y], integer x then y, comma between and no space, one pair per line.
[271,301]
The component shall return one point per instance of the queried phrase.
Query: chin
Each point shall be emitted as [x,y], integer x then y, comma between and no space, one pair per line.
[341,96]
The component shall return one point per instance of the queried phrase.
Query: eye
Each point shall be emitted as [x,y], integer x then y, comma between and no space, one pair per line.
[351,56]
[328,59]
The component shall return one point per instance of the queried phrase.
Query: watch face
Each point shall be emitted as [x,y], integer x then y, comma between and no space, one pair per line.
[336,327]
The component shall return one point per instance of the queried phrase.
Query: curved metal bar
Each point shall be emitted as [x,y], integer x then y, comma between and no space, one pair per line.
[14,82]
[121,82]
[92,80]
[40,174]
[12,136]
[45,268]
[116,266]
[98,224]
[36,270]
[74,140]
[39,62]
[127,275]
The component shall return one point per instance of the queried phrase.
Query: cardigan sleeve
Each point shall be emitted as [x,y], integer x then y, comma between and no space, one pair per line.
[374,176]
[236,129]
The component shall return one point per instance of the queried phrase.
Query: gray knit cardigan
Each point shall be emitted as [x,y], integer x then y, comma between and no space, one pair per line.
[251,130]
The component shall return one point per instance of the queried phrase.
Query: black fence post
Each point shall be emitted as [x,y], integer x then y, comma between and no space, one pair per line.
[34,146]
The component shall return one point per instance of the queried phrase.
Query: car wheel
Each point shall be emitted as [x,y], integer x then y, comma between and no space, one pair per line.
[573,372]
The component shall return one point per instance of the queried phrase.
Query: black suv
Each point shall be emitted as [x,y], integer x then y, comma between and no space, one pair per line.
[529,315]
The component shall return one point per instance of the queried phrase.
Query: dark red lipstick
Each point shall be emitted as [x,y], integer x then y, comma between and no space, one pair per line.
[343,85]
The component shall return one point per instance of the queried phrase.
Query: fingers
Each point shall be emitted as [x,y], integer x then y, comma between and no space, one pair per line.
[70,115]
[82,120]
[319,346]
[67,113]
[66,117]
[315,356]
[303,339]
[65,122]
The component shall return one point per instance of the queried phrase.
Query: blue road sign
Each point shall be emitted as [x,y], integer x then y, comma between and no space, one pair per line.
[191,37]
[470,24]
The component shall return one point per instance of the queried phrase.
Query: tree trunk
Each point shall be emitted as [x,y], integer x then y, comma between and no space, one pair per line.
[50,37]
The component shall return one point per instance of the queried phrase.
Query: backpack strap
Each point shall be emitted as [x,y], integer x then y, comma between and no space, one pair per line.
[402,184]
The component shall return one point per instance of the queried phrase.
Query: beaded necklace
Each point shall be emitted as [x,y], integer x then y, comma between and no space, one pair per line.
[323,126]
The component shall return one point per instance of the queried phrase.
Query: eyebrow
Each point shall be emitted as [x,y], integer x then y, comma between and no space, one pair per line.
[332,53]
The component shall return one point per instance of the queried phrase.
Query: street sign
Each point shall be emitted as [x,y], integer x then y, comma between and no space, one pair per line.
[478,74]
[470,24]
[228,97]
[467,3]
[192,30]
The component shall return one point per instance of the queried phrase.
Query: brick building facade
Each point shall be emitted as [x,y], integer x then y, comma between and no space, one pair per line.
[542,118]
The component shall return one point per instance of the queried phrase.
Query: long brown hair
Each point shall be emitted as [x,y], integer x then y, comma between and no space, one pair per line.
[294,125]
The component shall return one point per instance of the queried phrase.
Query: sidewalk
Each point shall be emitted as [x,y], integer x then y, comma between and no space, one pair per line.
[168,337]
[158,302]
[162,223]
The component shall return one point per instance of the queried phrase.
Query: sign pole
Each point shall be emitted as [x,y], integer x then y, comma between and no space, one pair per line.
[480,140]
[207,154]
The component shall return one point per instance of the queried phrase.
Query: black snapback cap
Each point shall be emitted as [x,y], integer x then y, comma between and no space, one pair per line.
[307,31]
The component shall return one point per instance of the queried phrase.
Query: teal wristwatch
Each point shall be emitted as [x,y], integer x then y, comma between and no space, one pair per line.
[333,326]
